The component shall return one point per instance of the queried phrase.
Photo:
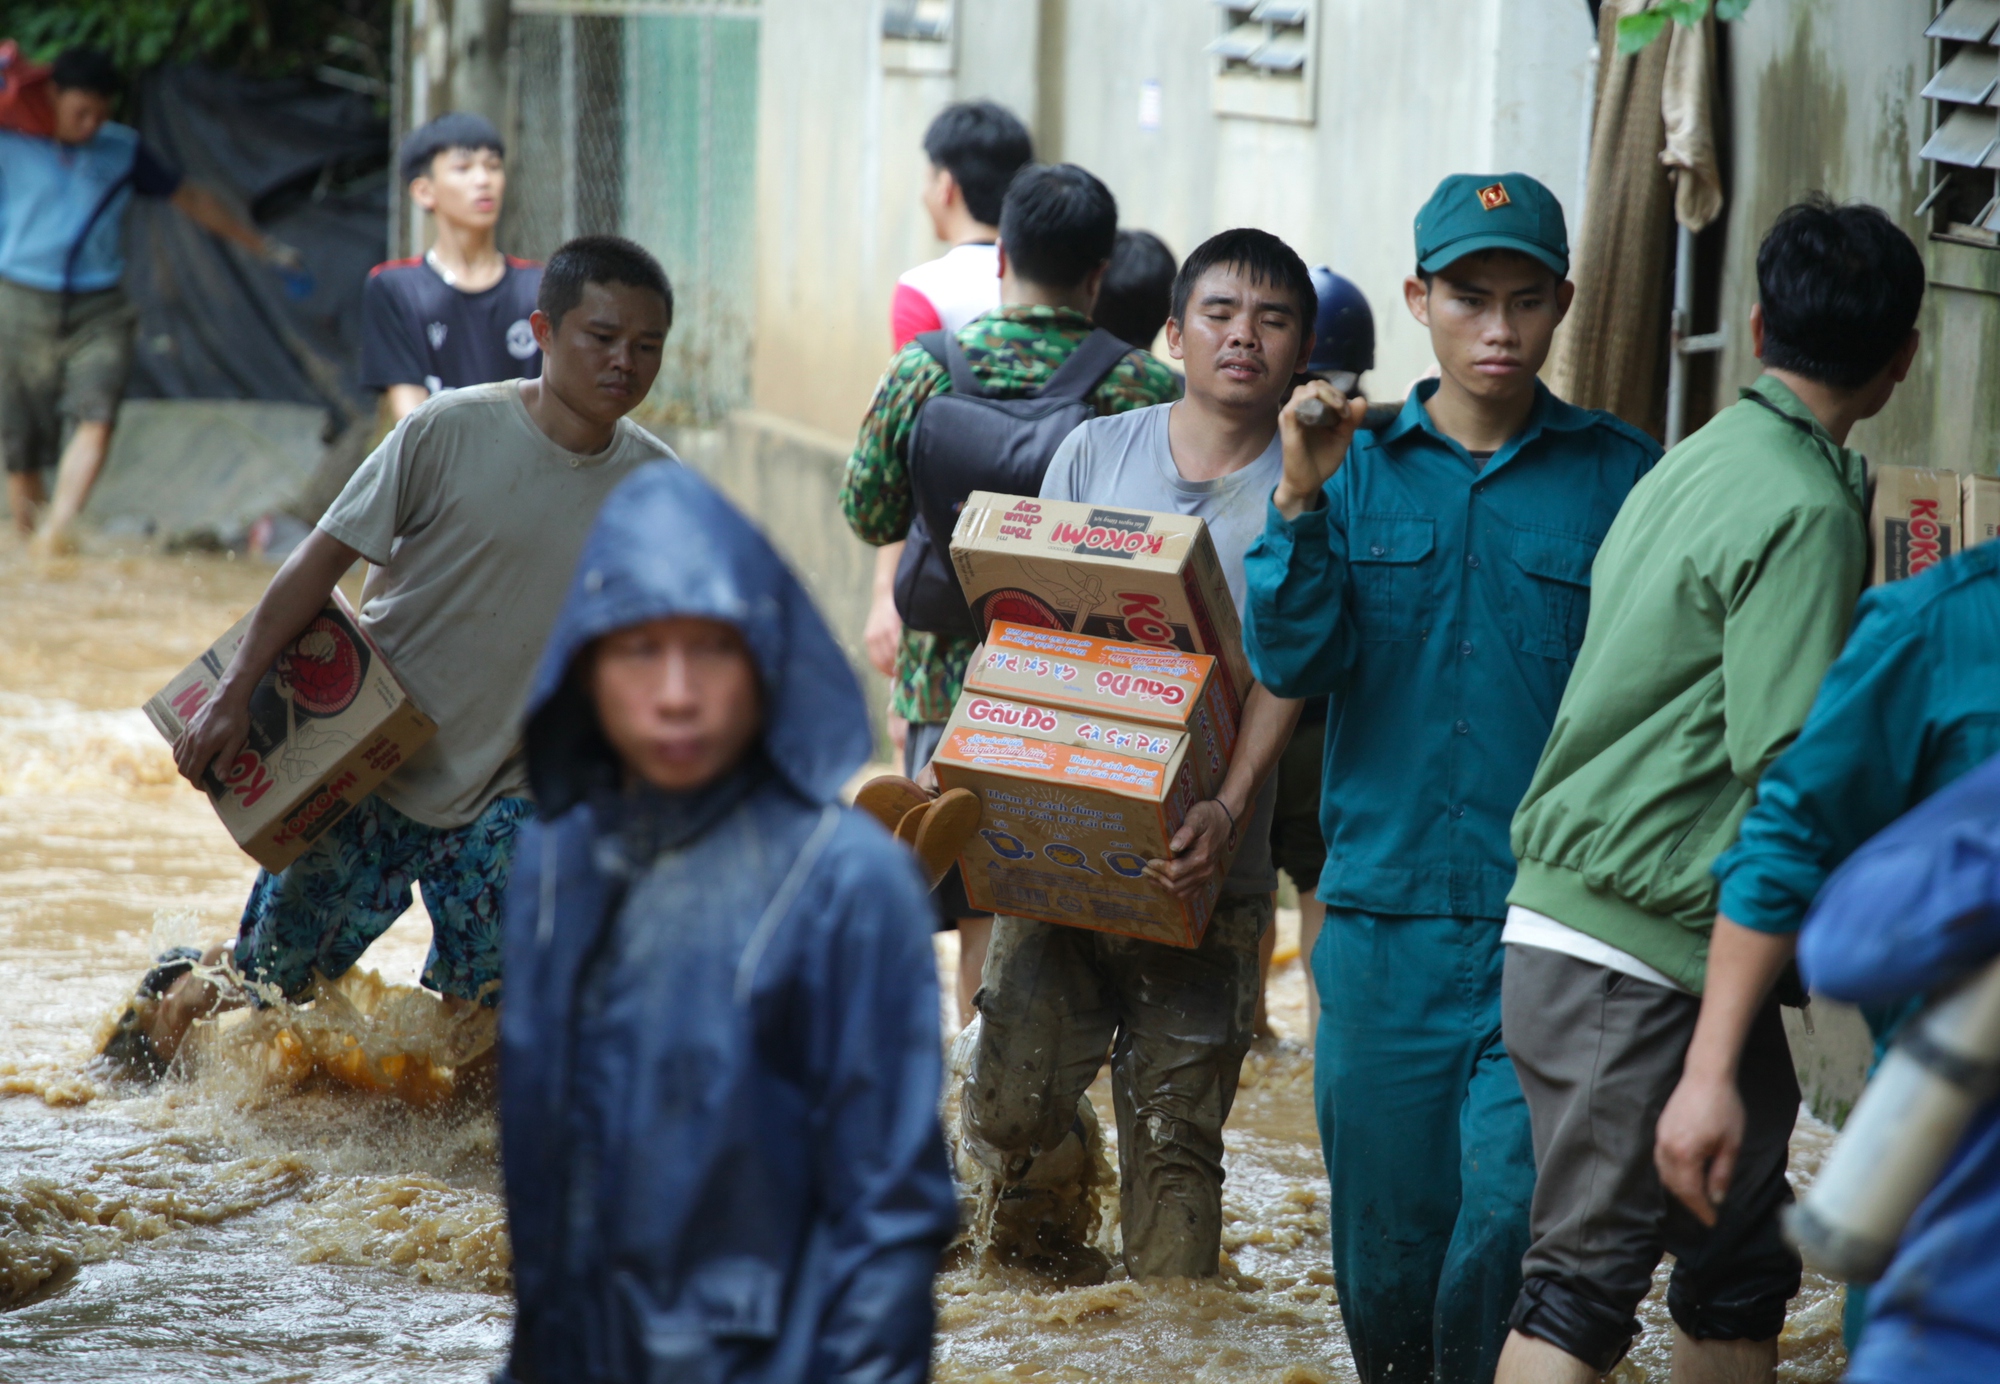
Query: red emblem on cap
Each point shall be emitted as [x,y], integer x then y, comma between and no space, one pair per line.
[1494,196]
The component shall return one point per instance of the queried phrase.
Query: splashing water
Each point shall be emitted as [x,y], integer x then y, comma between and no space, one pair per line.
[316,1197]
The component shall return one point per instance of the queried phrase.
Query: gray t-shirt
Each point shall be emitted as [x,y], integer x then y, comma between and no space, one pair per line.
[1126,460]
[474,521]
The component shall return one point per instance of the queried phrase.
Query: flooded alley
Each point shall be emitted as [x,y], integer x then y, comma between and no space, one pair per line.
[264,1218]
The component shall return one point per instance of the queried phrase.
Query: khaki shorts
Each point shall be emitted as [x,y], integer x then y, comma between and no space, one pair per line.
[59,368]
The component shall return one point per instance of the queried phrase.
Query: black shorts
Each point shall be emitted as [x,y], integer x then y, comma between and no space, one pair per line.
[949,896]
[1297,847]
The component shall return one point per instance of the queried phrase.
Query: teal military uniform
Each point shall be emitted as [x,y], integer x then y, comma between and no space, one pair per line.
[1441,602]
[1911,705]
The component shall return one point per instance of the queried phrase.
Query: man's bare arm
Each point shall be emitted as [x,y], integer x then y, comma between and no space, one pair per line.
[206,210]
[216,734]
[404,400]
[1701,1131]
[1202,844]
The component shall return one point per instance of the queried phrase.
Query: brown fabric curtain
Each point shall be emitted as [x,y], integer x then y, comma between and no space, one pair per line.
[1609,353]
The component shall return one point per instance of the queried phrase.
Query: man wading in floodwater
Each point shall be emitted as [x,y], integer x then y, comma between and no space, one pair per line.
[473,512]
[721,1059]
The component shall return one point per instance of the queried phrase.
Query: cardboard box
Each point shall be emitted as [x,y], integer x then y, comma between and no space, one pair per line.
[328,723]
[1073,806]
[1134,683]
[1914,523]
[1127,575]
[1979,509]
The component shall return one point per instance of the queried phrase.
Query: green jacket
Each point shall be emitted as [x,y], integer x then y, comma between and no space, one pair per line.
[1720,597]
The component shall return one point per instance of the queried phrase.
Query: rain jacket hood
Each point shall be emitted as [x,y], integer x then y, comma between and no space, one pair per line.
[720,1051]
[666,545]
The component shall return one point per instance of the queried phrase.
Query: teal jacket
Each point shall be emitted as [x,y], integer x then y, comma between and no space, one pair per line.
[1911,704]
[1441,604]
[1721,596]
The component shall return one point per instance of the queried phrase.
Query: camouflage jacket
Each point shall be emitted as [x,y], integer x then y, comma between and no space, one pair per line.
[1011,350]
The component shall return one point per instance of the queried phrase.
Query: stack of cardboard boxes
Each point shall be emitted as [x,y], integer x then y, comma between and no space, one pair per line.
[1922,516]
[1103,705]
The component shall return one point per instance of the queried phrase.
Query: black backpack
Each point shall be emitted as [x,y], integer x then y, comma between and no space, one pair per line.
[967,440]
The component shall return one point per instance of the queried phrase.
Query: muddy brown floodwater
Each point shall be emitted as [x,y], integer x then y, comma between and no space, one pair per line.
[263,1218]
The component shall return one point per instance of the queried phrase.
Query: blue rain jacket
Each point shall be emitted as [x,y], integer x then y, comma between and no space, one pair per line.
[720,1057]
[1442,605]
[1916,908]
[1911,704]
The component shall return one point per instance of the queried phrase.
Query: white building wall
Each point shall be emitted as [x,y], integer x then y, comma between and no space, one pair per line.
[1406,93]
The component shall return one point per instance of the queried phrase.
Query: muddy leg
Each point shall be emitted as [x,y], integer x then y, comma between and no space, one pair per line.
[1187,1023]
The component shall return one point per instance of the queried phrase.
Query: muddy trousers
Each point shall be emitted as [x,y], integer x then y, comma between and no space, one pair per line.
[1428,1145]
[1177,1023]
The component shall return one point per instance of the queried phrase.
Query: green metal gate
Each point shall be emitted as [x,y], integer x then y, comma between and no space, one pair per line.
[640,118]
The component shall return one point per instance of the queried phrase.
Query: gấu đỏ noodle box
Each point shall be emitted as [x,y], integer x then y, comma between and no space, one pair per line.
[1073,805]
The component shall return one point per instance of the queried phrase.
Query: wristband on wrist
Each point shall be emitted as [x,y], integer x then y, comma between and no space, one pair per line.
[1230,815]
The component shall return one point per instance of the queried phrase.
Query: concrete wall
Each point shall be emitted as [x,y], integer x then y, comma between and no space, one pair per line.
[786,476]
[1406,93]
[1825,98]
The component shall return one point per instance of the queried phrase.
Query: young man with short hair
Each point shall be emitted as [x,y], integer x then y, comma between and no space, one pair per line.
[1643,1024]
[1433,577]
[975,148]
[720,1055]
[1056,232]
[65,324]
[471,514]
[1137,295]
[457,314]
[1176,1021]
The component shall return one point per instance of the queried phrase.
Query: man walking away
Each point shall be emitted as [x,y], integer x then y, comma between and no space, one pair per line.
[65,324]
[1432,578]
[1137,295]
[1057,228]
[974,149]
[1721,596]
[456,315]
[472,513]
[1914,912]
[721,1053]
[1177,1022]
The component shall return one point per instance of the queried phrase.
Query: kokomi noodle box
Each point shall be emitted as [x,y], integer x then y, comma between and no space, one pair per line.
[1133,576]
[328,722]
[1073,805]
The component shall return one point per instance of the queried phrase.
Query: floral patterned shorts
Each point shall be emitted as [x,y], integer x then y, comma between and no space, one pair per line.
[324,909]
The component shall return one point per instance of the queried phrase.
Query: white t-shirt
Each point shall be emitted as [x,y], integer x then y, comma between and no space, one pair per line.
[1527,928]
[474,521]
[947,292]
[1126,460]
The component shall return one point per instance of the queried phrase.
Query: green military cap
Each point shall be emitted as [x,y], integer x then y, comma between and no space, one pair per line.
[1471,212]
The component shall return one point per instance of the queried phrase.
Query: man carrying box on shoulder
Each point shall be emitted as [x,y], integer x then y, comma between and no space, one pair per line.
[1176,1021]
[472,513]
[1433,576]
[1057,228]
[1721,596]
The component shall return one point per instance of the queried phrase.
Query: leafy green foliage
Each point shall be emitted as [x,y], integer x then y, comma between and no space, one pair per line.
[138,33]
[1635,31]
[268,37]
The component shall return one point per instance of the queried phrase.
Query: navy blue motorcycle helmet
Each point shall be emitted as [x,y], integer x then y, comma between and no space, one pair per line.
[1344,329]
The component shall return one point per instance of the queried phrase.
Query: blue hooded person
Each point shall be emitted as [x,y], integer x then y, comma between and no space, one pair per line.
[720,1054]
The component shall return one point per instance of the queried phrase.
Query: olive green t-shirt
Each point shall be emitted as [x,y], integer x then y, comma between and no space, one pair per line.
[474,521]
